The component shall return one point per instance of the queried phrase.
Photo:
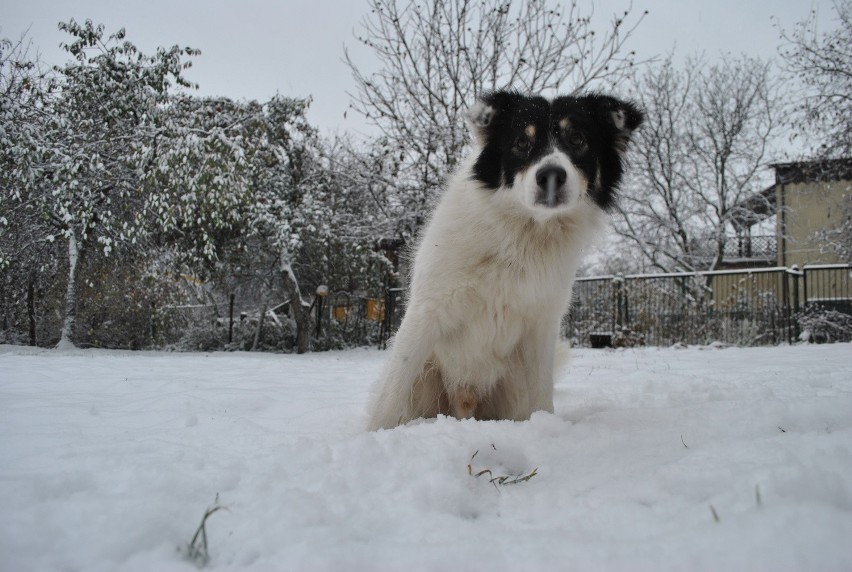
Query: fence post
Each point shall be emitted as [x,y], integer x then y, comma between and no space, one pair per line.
[391,318]
[384,333]
[231,319]
[31,314]
[322,292]
[618,291]
[153,322]
[787,308]
[794,326]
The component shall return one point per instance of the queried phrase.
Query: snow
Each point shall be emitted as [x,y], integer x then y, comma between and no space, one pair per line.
[109,459]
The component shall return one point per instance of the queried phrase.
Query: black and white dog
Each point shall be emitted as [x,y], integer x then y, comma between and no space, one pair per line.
[493,272]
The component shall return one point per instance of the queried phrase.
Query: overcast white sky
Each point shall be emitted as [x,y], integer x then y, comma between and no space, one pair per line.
[255,48]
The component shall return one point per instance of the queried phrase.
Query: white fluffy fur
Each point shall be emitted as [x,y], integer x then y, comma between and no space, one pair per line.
[491,279]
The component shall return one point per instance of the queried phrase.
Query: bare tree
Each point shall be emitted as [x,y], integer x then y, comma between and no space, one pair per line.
[695,176]
[822,65]
[437,56]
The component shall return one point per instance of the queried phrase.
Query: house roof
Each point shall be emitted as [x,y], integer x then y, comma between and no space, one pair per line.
[813,171]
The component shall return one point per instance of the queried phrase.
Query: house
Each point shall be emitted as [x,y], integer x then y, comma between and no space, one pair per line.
[778,280]
[808,197]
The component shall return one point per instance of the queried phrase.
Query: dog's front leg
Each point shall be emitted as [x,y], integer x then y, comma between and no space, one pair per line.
[412,346]
[540,365]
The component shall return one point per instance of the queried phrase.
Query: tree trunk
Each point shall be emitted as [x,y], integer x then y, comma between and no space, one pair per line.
[70,295]
[263,308]
[301,309]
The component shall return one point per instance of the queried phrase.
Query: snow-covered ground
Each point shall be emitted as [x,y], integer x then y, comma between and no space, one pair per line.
[656,459]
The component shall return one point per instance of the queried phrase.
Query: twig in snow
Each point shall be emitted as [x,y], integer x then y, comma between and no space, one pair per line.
[499,479]
[715,514]
[684,444]
[197,550]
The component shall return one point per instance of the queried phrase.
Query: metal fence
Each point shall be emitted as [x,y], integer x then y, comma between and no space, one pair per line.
[744,307]
[344,319]
[394,310]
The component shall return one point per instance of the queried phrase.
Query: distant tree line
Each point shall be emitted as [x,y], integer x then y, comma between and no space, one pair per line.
[134,212]
[125,198]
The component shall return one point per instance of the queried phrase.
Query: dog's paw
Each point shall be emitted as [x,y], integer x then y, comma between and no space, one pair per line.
[463,404]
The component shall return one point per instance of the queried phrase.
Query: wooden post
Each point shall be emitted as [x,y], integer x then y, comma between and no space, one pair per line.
[231,319]
[31,315]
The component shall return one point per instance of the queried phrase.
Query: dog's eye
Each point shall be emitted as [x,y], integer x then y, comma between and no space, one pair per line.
[522,144]
[576,139]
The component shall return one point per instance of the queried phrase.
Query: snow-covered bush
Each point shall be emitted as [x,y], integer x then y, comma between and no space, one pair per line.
[821,325]
[200,337]
[274,336]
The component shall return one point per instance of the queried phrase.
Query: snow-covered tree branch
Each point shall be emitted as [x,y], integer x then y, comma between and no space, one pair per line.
[436,57]
[696,168]
[821,65]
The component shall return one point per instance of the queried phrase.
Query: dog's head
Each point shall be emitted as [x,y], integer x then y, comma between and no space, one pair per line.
[551,155]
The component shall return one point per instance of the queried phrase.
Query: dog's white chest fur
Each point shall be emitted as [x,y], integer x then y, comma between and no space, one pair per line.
[491,279]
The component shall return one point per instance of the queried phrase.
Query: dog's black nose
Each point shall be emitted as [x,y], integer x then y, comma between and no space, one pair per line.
[551,177]
[551,185]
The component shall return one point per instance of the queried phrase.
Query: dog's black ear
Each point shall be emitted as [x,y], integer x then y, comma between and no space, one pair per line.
[488,111]
[621,117]
[625,117]
[615,121]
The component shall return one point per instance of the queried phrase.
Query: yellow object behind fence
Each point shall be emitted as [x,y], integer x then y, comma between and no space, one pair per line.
[374,311]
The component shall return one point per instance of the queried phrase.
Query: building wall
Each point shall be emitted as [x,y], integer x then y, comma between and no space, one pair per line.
[806,209]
